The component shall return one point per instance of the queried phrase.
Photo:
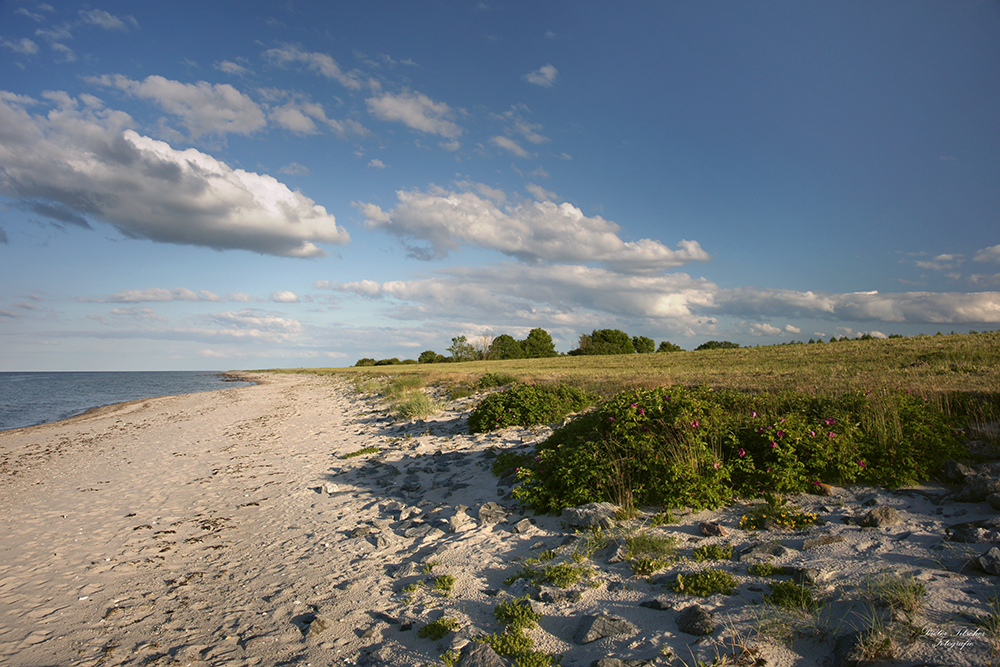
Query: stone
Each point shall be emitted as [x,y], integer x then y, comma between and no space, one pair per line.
[994,501]
[316,626]
[491,513]
[976,488]
[989,562]
[821,541]
[591,514]
[696,620]
[711,529]
[986,531]
[522,526]
[806,576]
[758,551]
[554,595]
[361,531]
[593,627]
[330,488]
[458,521]
[955,472]
[475,654]
[881,517]
[660,603]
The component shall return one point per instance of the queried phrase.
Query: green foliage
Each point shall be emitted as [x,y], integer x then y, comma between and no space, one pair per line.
[511,642]
[643,345]
[662,518]
[402,384]
[450,658]
[526,405]
[538,344]
[437,629]
[427,357]
[414,405]
[394,361]
[705,583]
[764,569]
[444,583]
[791,595]
[700,447]
[769,517]
[606,341]
[562,575]
[646,553]
[718,345]
[517,614]
[713,552]
[360,452]
[490,380]
[505,346]
[507,462]
[367,361]
[667,346]
[462,350]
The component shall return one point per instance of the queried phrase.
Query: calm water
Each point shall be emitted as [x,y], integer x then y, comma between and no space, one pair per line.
[27,399]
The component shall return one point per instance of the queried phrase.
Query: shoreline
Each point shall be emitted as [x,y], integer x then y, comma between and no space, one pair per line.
[229,528]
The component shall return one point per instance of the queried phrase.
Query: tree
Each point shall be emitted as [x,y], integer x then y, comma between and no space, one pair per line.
[667,346]
[610,341]
[643,345]
[538,344]
[427,357]
[461,349]
[717,345]
[482,345]
[505,346]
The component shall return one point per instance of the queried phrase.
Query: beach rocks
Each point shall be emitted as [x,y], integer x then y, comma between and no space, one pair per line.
[976,488]
[881,517]
[711,529]
[491,513]
[594,627]
[986,531]
[660,603]
[475,654]
[821,541]
[989,562]
[591,514]
[759,551]
[696,620]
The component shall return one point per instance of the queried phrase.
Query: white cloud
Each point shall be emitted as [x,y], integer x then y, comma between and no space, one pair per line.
[203,108]
[510,145]
[544,76]
[284,297]
[540,193]
[792,329]
[101,18]
[294,169]
[942,262]
[530,231]
[761,329]
[161,294]
[320,63]
[991,254]
[416,111]
[298,115]
[83,161]
[229,67]
[985,280]
[375,162]
[23,45]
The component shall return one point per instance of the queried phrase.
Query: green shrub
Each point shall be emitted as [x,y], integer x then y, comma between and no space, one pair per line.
[764,569]
[791,595]
[444,583]
[360,452]
[526,405]
[713,552]
[705,583]
[517,614]
[699,447]
[507,462]
[414,405]
[437,629]
[490,380]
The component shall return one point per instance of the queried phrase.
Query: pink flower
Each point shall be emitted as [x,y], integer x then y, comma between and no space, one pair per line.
[817,483]
[812,433]
[773,444]
[634,405]
[861,463]
[611,419]
[780,434]
[641,411]
[769,470]
[829,421]
[716,465]
[754,414]
[695,424]
[831,434]
[741,452]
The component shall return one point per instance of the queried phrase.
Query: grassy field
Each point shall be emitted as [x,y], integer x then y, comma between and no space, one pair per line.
[931,366]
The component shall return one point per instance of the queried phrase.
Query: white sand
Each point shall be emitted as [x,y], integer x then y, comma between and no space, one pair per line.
[189,530]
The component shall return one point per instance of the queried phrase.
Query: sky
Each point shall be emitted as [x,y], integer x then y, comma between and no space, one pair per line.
[234,185]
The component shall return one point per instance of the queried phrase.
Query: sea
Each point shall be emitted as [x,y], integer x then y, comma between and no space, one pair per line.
[28,399]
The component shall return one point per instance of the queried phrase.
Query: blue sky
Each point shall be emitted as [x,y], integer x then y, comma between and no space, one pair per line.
[192,185]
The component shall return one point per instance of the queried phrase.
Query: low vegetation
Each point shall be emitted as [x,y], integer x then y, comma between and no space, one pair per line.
[527,405]
[705,583]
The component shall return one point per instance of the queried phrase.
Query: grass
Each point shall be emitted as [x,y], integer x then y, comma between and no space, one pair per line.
[713,552]
[705,583]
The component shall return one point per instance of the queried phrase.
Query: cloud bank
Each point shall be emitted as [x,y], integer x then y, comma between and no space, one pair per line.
[78,161]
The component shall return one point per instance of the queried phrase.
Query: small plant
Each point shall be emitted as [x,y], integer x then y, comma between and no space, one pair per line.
[444,583]
[430,566]
[662,519]
[414,405]
[490,380]
[900,593]
[437,629]
[562,575]
[791,595]
[768,517]
[517,614]
[705,583]
[764,569]
[507,462]
[646,553]
[450,658]
[360,452]
[511,642]
[713,552]
[643,567]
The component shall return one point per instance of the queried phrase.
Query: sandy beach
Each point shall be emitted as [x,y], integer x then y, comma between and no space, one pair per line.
[227,528]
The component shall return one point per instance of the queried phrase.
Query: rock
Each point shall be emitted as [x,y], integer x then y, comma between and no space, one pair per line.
[696,620]
[408,512]
[475,654]
[361,531]
[994,501]
[976,488]
[660,603]
[491,513]
[330,488]
[989,562]
[821,541]
[316,626]
[711,529]
[591,514]
[955,472]
[881,517]
[806,576]
[986,531]
[592,628]
[553,595]
[607,662]
[619,555]
[522,526]
[458,521]
[758,551]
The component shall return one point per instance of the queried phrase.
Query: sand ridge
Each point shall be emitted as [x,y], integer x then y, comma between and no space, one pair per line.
[226,528]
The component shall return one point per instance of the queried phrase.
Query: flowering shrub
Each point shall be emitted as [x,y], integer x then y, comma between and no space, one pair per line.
[526,405]
[700,448]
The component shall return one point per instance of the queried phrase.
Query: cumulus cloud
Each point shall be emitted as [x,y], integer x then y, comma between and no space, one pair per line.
[375,162]
[320,63]
[84,161]
[544,76]
[991,254]
[530,231]
[203,108]
[23,45]
[229,67]
[510,146]
[416,111]
[254,324]
[284,297]
[942,262]
[300,116]
[540,193]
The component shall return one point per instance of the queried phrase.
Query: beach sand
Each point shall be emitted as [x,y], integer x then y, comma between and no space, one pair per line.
[226,528]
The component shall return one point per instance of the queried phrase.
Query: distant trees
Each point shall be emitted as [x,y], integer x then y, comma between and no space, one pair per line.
[717,345]
[643,345]
[506,346]
[667,346]
[538,345]
[462,350]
